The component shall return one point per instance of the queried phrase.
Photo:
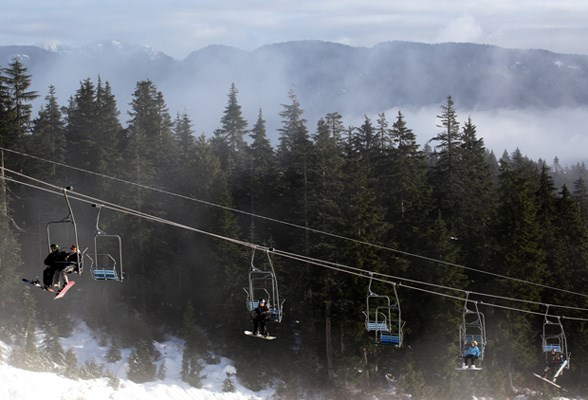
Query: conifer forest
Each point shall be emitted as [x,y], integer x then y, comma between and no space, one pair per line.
[336,212]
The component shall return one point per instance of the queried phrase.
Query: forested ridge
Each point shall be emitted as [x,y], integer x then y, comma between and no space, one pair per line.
[450,213]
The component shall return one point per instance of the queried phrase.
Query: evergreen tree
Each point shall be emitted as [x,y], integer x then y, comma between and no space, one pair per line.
[82,130]
[48,136]
[581,196]
[231,149]
[229,139]
[478,202]
[113,355]
[109,133]
[148,149]
[293,158]
[71,368]
[407,195]
[15,98]
[518,255]
[195,349]
[51,346]
[142,361]
[12,304]
[263,180]
[446,173]
[567,260]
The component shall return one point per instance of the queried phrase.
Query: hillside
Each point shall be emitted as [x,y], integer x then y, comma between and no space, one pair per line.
[326,76]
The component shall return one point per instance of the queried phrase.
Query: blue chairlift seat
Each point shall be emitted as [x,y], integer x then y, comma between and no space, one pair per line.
[105,274]
[548,347]
[386,338]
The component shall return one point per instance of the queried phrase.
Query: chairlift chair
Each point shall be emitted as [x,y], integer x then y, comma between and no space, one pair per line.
[263,284]
[383,317]
[107,263]
[64,232]
[472,328]
[554,337]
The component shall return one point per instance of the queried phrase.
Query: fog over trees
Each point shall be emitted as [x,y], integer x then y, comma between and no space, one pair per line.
[437,223]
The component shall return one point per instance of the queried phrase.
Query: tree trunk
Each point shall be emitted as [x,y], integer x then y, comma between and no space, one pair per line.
[328,341]
[366,371]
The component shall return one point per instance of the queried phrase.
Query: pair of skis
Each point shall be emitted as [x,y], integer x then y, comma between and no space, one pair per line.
[58,294]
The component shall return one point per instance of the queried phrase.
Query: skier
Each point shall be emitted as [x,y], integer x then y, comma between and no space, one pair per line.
[470,355]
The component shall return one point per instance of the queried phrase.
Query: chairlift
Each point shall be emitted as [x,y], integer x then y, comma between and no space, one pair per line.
[263,284]
[64,232]
[473,327]
[107,265]
[383,317]
[554,337]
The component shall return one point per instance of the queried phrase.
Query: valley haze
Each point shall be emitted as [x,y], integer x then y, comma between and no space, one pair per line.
[533,100]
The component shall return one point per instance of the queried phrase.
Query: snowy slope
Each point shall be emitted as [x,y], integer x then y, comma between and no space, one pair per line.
[26,385]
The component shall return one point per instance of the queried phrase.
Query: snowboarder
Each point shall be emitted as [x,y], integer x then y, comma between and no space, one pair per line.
[259,315]
[554,361]
[55,261]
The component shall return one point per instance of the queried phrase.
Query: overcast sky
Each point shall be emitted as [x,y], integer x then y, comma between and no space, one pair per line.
[178,27]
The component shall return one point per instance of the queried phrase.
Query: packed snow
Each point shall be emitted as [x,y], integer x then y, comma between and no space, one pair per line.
[26,385]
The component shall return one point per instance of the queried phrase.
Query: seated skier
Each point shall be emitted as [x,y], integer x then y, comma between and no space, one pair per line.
[470,354]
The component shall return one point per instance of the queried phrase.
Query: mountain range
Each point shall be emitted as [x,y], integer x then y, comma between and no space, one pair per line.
[325,77]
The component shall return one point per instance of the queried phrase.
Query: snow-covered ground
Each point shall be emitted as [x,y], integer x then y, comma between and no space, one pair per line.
[17,384]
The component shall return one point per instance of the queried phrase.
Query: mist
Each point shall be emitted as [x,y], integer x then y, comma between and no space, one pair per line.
[537,133]
[498,89]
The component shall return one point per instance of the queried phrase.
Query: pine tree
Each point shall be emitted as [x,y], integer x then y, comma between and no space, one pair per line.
[263,180]
[12,304]
[142,361]
[478,202]
[407,195]
[113,355]
[48,136]
[15,97]
[229,139]
[82,130]
[581,196]
[109,133]
[446,173]
[293,158]
[195,349]
[231,148]
[51,346]
[71,368]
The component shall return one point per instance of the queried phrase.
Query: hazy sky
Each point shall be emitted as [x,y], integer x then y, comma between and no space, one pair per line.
[178,27]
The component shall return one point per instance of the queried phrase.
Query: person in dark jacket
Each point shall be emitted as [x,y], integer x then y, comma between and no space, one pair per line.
[260,315]
[55,261]
[554,360]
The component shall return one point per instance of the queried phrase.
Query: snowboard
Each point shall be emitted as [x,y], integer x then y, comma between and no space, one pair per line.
[63,291]
[249,333]
[547,380]
[469,369]
[36,284]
